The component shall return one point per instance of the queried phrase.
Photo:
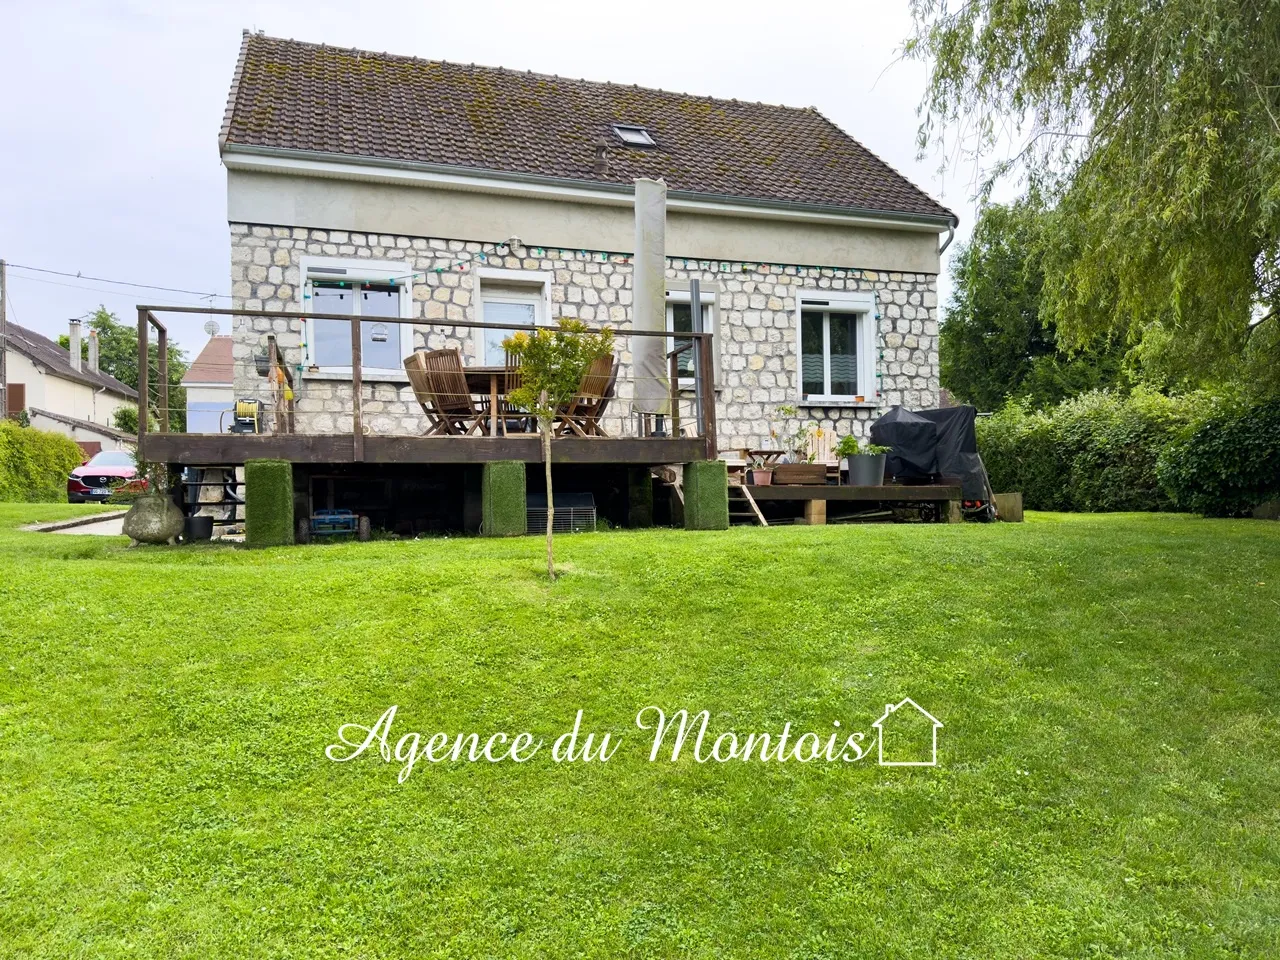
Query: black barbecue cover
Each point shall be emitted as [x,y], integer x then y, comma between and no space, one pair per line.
[930,443]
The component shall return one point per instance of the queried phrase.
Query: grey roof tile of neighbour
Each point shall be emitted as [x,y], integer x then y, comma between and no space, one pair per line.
[56,360]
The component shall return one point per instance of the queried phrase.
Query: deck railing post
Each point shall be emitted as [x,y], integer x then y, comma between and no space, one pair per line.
[707,396]
[357,424]
[142,376]
[162,377]
[674,376]
[277,394]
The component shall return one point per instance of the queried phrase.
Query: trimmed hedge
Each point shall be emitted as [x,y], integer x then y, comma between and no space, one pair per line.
[706,495]
[34,464]
[502,496]
[1228,462]
[268,503]
[1096,452]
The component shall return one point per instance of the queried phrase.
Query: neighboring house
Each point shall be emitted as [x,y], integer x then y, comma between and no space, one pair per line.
[380,185]
[209,382]
[62,393]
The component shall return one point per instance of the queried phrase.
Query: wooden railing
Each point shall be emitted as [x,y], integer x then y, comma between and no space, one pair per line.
[283,383]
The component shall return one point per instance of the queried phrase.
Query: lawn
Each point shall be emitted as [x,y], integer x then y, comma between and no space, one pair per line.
[1106,785]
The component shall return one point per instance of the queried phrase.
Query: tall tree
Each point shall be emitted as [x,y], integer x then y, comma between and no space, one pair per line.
[1157,128]
[118,357]
[994,344]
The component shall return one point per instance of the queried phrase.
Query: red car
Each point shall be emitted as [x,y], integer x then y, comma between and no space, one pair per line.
[96,479]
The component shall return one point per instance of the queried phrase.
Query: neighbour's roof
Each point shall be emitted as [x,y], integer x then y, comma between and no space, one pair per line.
[41,350]
[213,365]
[295,96]
[100,428]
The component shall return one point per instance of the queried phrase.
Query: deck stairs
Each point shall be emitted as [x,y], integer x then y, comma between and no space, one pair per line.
[743,509]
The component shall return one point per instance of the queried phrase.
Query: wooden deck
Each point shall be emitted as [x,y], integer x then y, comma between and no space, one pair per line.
[942,500]
[889,492]
[224,449]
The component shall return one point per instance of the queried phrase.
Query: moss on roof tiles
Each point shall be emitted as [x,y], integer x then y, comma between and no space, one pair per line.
[402,108]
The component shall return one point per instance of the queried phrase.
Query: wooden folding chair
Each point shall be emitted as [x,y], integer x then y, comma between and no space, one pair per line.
[440,385]
[508,413]
[582,416]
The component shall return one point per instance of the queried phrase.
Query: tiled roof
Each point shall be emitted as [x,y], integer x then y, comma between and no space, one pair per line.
[57,361]
[297,96]
[213,364]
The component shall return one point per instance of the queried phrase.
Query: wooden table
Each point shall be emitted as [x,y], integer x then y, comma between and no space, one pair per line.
[767,457]
[490,381]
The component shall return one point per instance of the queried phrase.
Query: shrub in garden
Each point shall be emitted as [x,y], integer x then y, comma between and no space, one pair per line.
[1096,452]
[1228,461]
[34,464]
[1019,452]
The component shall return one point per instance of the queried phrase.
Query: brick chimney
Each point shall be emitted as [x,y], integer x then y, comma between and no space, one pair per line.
[74,346]
[93,351]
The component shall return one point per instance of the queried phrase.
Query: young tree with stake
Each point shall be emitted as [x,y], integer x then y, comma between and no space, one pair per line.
[552,365]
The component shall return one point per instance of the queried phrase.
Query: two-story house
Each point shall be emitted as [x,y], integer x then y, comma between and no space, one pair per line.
[380,185]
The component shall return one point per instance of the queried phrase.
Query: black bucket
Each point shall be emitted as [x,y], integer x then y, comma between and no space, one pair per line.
[197,528]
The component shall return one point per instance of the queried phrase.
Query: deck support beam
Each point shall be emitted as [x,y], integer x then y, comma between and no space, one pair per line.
[639,498]
[815,513]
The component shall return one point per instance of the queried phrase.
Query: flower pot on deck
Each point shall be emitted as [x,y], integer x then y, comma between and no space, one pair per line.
[867,469]
[800,473]
[760,477]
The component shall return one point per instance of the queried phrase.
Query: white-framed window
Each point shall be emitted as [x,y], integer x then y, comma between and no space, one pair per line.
[515,297]
[680,320]
[836,333]
[366,289]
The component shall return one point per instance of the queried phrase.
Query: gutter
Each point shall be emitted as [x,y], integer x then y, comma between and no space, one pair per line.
[951,235]
[482,180]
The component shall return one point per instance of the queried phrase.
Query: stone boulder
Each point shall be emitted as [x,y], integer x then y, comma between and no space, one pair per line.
[154,519]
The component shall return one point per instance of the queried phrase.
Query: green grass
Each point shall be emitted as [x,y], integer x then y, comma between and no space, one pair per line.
[1107,784]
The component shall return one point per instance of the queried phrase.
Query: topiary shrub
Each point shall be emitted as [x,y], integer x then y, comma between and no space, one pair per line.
[1227,462]
[268,503]
[706,495]
[502,496]
[34,464]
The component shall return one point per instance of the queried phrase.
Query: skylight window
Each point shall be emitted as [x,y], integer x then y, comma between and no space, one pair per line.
[634,136]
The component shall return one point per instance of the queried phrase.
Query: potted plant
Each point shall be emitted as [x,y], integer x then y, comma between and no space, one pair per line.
[153,517]
[846,450]
[761,473]
[866,463]
[797,464]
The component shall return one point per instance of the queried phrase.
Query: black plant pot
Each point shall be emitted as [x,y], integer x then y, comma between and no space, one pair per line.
[197,528]
[867,470]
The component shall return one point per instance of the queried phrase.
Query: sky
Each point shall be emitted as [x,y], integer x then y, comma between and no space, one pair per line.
[109,120]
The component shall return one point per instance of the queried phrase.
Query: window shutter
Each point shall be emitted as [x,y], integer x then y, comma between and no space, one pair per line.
[15,399]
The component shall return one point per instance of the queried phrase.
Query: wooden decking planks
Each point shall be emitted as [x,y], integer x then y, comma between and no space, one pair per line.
[889,492]
[233,448]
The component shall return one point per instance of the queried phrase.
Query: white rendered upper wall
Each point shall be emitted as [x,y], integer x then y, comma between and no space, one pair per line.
[607,223]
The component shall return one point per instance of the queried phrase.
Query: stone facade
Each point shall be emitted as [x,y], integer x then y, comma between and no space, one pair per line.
[757,353]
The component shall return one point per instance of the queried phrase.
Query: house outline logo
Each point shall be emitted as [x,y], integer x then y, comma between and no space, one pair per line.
[889,710]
